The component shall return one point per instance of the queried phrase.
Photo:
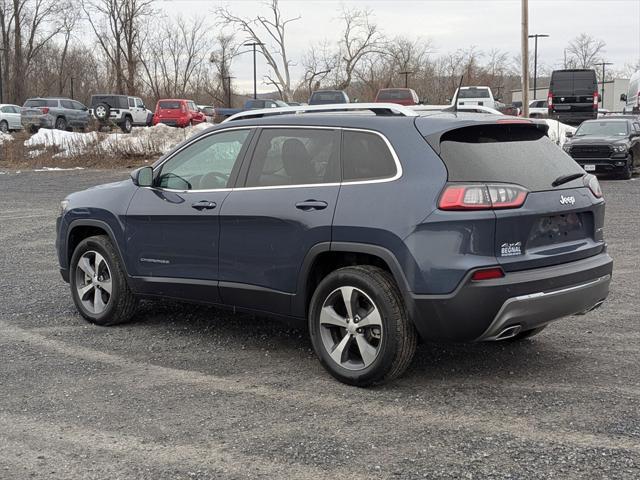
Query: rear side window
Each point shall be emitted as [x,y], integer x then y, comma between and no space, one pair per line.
[295,157]
[520,154]
[169,105]
[35,103]
[67,104]
[366,156]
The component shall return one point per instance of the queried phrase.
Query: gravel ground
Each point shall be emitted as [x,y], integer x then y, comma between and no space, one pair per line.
[191,392]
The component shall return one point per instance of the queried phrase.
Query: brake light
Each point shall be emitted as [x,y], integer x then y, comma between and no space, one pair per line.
[482,197]
[487,274]
[550,100]
[592,182]
[595,100]
[45,110]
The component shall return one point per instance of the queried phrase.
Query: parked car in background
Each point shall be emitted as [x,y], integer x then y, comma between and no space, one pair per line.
[573,96]
[251,104]
[371,230]
[632,97]
[208,111]
[401,96]
[326,97]
[121,110]
[177,113]
[54,112]
[475,95]
[610,145]
[426,109]
[9,118]
[538,109]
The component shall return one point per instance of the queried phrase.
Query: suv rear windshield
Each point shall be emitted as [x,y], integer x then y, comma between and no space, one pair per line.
[169,105]
[114,101]
[520,154]
[474,93]
[394,94]
[327,97]
[40,102]
[573,82]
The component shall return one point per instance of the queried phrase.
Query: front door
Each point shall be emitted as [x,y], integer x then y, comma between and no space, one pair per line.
[284,208]
[173,228]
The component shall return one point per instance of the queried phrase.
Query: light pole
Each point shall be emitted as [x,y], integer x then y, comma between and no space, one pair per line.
[604,64]
[2,50]
[406,78]
[228,79]
[255,83]
[535,62]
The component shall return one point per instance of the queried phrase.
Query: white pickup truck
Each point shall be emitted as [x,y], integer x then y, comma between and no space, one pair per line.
[476,95]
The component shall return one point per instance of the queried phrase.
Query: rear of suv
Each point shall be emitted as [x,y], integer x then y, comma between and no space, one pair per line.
[120,110]
[177,113]
[573,96]
[401,96]
[50,112]
[373,230]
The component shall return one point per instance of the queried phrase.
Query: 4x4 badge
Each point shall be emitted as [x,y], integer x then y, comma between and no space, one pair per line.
[567,200]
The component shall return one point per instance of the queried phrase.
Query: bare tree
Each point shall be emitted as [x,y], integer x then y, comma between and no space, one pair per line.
[227,48]
[318,63]
[584,51]
[360,38]
[271,32]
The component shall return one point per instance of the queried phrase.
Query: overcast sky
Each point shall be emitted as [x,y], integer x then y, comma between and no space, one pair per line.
[447,24]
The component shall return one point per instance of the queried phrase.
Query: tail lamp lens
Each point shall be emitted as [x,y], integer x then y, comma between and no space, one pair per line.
[482,197]
[595,99]
[592,182]
[487,274]
[550,100]
[45,110]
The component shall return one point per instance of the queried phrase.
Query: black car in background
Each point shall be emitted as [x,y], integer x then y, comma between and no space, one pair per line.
[610,145]
[573,96]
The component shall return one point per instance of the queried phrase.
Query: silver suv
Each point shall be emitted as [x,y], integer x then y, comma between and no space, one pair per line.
[51,112]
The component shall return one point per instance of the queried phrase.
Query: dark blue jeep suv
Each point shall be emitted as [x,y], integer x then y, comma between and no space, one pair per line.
[376,226]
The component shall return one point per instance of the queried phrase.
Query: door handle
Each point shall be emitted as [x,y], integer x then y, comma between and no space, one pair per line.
[204,205]
[309,205]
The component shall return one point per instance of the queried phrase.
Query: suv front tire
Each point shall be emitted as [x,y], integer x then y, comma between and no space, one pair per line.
[359,326]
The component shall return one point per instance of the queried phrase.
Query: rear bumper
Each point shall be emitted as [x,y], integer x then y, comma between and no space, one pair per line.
[44,121]
[527,299]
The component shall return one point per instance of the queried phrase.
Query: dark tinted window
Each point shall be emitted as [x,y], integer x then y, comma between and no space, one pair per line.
[474,93]
[67,104]
[294,157]
[78,105]
[169,105]
[573,82]
[254,104]
[114,101]
[206,164]
[365,156]
[319,98]
[519,154]
[398,94]
[41,102]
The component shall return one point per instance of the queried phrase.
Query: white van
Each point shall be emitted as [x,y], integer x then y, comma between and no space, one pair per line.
[476,96]
[632,99]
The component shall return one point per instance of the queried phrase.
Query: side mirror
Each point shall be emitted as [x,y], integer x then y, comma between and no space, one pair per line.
[623,97]
[568,134]
[142,177]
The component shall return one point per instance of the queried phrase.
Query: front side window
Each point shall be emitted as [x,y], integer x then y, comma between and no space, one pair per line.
[139,103]
[295,157]
[132,102]
[366,156]
[206,164]
[78,106]
[67,104]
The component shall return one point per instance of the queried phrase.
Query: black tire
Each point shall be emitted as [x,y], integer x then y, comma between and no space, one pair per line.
[102,111]
[4,126]
[121,304]
[127,125]
[398,338]
[61,124]
[526,334]
[627,173]
[33,129]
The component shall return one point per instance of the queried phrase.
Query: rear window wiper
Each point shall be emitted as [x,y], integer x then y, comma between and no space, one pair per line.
[566,179]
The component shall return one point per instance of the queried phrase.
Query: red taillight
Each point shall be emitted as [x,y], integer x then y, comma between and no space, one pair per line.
[592,182]
[482,197]
[595,100]
[550,100]
[487,274]
[45,110]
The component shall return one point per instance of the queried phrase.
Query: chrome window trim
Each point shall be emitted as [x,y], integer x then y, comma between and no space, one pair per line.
[394,155]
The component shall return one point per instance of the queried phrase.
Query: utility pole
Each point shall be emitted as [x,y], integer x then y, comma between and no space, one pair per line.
[2,50]
[406,78]
[535,62]
[255,83]
[604,64]
[525,57]
[228,79]
[71,87]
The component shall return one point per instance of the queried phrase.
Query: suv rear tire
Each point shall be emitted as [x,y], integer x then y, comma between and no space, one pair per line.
[127,125]
[61,124]
[369,341]
[627,173]
[98,283]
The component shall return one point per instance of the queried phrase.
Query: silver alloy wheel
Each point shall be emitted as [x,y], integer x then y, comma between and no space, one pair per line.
[93,282]
[351,328]
[101,112]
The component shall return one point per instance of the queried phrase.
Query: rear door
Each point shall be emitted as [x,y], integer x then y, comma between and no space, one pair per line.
[285,208]
[555,224]
[573,90]
[173,228]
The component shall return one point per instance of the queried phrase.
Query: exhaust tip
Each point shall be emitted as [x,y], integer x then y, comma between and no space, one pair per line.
[592,308]
[509,332]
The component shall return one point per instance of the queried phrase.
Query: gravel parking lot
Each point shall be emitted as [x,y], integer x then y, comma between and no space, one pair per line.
[193,392]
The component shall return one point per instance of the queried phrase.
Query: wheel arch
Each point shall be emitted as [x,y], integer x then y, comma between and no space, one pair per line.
[85,228]
[324,258]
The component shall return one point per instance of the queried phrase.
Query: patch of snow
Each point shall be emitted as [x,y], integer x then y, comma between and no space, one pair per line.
[558,131]
[56,169]
[5,137]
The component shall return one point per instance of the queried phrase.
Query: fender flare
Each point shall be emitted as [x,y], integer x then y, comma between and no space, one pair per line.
[94,223]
